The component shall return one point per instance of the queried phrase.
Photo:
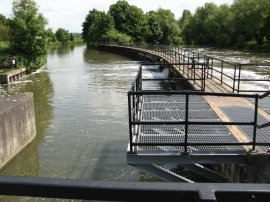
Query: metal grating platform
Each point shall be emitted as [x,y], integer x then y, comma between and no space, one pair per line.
[264,103]
[172,108]
[246,114]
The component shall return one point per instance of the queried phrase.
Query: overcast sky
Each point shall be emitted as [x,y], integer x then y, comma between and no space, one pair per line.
[70,14]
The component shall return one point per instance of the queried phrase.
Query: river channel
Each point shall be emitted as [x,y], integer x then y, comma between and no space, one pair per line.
[81,114]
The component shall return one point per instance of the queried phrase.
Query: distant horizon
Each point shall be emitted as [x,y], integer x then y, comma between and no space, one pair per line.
[71,14]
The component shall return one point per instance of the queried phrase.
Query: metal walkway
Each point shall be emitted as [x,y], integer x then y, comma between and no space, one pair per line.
[245,113]
[190,128]
[172,108]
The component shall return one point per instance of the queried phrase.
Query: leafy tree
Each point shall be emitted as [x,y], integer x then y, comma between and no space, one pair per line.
[71,37]
[169,26]
[115,36]
[97,24]
[186,15]
[129,19]
[4,29]
[251,18]
[62,35]
[51,36]
[154,30]
[28,34]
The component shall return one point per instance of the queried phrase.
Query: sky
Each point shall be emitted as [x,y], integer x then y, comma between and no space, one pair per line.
[70,14]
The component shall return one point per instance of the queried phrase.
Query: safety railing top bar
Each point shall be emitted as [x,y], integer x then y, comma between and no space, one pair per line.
[136,94]
[227,73]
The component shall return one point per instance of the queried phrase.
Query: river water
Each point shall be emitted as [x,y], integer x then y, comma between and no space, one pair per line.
[81,115]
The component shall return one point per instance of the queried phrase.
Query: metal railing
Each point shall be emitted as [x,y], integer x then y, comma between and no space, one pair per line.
[132,191]
[227,73]
[135,98]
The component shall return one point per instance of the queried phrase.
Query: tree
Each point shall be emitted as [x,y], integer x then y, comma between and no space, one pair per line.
[71,37]
[4,29]
[154,31]
[95,27]
[28,34]
[186,15]
[129,19]
[169,26]
[51,36]
[62,35]
[251,18]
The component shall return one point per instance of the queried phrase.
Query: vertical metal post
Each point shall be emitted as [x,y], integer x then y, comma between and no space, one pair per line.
[212,66]
[133,106]
[239,78]
[255,122]
[207,65]
[202,77]
[140,78]
[234,76]
[221,76]
[130,125]
[186,122]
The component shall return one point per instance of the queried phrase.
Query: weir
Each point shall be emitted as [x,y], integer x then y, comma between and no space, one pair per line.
[216,121]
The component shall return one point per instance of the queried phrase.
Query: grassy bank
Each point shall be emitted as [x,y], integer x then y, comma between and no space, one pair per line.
[76,41]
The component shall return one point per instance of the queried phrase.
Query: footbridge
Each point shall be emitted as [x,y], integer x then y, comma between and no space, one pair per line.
[218,118]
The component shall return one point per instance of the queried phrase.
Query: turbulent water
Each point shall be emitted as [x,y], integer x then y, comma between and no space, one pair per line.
[81,114]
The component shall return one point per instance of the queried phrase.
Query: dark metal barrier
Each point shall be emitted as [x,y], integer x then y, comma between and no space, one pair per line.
[132,191]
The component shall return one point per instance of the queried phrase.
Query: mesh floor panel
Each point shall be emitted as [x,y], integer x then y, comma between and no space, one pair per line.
[264,103]
[172,108]
[246,114]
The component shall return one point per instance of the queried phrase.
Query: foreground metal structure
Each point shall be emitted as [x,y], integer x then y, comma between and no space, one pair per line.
[179,127]
[132,191]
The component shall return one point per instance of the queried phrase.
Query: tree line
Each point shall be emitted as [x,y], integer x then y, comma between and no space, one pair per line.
[245,21]
[24,37]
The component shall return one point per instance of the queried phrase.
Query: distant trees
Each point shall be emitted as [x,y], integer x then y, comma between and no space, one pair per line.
[128,19]
[125,23]
[244,21]
[96,26]
[25,37]
[62,35]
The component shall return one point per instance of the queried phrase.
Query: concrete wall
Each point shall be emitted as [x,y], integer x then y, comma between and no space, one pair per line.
[12,75]
[17,125]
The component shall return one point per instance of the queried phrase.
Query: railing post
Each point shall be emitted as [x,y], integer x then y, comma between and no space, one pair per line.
[207,64]
[204,72]
[212,66]
[130,125]
[234,76]
[140,78]
[186,122]
[255,122]
[239,78]
[221,77]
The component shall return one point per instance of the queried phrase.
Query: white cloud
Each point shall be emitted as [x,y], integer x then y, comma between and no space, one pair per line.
[70,14]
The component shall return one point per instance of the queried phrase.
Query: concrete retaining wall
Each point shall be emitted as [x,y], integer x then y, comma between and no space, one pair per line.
[12,75]
[17,125]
